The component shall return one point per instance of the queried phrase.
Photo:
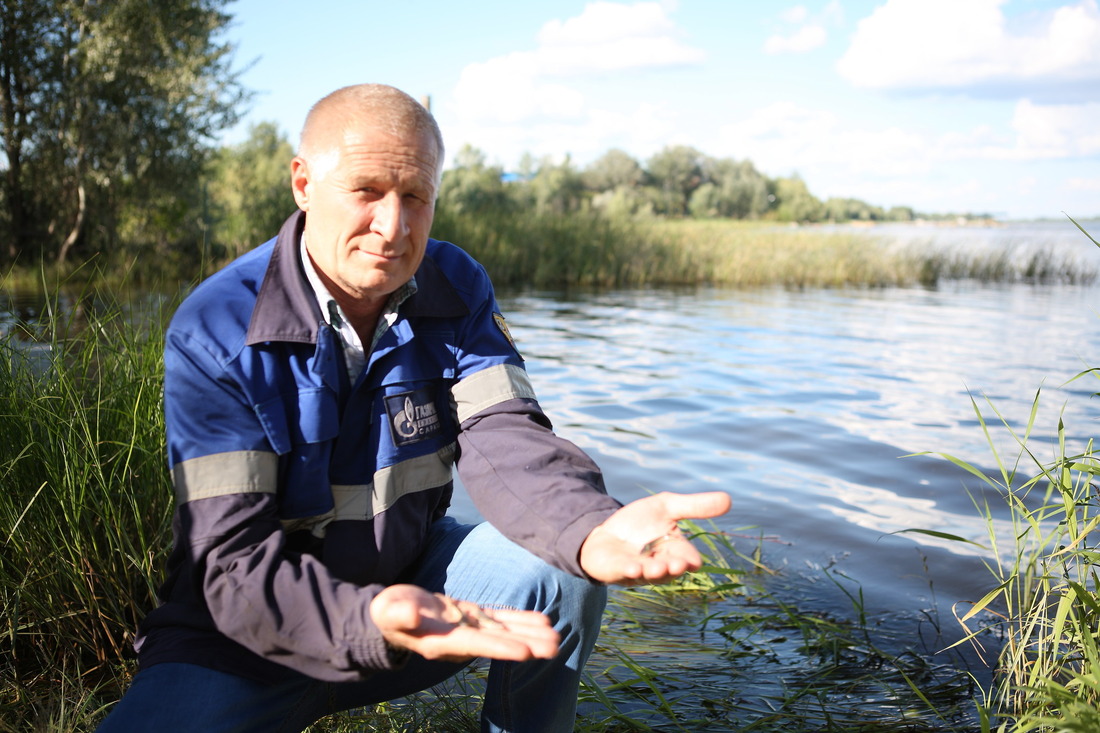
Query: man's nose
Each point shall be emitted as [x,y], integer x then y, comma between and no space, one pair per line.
[389,218]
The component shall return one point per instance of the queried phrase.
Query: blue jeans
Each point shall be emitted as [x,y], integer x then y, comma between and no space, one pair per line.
[467,562]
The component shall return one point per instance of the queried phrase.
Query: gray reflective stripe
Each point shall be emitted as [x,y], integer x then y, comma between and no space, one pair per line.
[221,474]
[247,472]
[490,387]
[393,482]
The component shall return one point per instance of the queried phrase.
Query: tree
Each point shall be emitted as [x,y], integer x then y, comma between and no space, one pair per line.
[849,209]
[556,188]
[612,170]
[249,189]
[794,202]
[676,171]
[900,213]
[471,186]
[107,115]
[732,190]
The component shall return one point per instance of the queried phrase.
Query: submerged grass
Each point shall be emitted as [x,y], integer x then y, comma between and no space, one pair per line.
[718,651]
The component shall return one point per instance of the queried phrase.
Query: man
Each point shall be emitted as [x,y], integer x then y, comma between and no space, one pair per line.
[318,391]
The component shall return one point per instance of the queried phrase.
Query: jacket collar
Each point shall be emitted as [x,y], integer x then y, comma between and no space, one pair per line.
[287,310]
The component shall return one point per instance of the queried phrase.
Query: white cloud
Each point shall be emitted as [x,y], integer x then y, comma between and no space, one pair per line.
[806,38]
[959,44]
[605,37]
[785,137]
[1091,185]
[509,89]
[932,171]
[646,127]
[796,14]
[809,35]
[610,36]
[1055,130]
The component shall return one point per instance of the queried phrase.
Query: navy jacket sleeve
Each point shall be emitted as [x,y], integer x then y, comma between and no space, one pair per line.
[282,605]
[538,489]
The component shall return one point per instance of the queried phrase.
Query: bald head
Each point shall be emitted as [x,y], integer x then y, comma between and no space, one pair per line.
[366,105]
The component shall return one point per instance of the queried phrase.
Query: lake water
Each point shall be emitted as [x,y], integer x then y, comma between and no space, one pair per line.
[804,406]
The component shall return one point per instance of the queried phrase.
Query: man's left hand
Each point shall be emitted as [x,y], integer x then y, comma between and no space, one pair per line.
[640,543]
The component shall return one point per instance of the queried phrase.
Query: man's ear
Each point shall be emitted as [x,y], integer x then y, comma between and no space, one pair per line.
[300,182]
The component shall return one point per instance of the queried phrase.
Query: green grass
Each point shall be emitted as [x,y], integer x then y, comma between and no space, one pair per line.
[83,514]
[1044,604]
[587,249]
[719,651]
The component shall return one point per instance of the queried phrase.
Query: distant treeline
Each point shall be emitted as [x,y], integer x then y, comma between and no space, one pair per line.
[678,181]
[108,112]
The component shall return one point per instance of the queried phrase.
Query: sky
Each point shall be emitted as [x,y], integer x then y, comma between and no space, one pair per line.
[988,106]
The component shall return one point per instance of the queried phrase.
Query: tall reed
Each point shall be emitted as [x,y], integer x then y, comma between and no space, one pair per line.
[84,506]
[1045,603]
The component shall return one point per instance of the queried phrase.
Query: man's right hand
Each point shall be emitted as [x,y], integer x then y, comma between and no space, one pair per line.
[442,628]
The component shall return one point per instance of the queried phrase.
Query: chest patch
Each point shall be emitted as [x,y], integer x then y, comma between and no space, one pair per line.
[413,416]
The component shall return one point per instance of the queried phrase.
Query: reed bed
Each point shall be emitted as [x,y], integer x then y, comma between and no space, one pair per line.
[1044,606]
[83,514]
[587,249]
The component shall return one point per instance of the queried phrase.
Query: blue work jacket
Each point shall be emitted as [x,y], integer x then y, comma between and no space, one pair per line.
[301,492]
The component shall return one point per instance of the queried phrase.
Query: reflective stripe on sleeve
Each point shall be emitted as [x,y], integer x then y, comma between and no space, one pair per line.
[222,474]
[490,387]
[393,482]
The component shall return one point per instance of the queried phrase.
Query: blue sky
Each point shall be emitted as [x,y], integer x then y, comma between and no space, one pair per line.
[943,105]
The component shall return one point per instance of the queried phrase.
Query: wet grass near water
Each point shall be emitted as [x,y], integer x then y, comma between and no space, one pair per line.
[729,650]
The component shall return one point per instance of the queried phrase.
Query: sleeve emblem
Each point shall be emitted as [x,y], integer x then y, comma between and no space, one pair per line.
[503,326]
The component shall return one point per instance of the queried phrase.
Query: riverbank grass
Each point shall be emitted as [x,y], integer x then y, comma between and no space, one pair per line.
[1044,606]
[82,515]
[587,249]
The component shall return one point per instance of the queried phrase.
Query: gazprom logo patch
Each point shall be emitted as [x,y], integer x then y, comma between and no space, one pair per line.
[413,416]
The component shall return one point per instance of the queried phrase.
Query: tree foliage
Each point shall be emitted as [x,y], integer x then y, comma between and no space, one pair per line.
[248,195]
[614,169]
[676,181]
[676,171]
[733,190]
[472,186]
[108,111]
[794,202]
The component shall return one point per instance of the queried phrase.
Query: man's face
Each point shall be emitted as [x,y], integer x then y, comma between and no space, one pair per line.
[369,198]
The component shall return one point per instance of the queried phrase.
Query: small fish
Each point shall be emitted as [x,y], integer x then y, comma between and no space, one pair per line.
[650,547]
